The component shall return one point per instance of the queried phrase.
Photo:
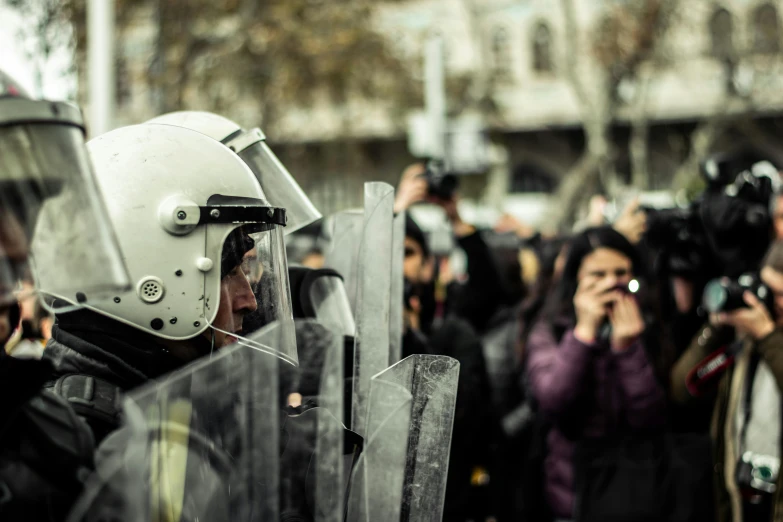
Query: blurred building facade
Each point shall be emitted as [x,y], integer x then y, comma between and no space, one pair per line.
[721,62]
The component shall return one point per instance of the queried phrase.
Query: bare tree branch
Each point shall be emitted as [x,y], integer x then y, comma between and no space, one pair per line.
[626,37]
[572,50]
[638,145]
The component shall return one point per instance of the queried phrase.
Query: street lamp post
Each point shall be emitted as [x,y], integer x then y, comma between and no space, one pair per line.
[100,65]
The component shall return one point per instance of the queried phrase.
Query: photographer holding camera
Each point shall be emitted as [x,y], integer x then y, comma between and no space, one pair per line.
[746,426]
[587,366]
[478,299]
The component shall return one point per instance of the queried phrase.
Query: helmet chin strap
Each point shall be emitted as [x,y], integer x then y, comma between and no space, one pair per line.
[212,343]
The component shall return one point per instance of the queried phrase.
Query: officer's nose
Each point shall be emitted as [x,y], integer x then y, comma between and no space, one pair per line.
[244,299]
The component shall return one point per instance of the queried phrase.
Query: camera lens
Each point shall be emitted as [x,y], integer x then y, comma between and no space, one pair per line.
[715,296]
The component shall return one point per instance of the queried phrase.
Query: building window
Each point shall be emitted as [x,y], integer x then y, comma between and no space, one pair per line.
[542,49]
[766,29]
[722,34]
[501,53]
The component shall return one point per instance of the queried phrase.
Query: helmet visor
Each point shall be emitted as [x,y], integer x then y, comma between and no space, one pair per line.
[279,186]
[254,292]
[55,227]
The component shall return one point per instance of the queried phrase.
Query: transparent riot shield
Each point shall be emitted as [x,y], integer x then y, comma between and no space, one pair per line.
[432,380]
[342,255]
[371,351]
[376,488]
[402,472]
[113,491]
[397,289]
[314,459]
[201,444]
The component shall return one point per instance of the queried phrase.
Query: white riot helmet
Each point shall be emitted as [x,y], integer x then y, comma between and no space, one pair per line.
[277,183]
[204,248]
[44,166]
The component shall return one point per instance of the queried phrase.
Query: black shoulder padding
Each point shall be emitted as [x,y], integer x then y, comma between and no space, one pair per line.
[55,438]
[96,400]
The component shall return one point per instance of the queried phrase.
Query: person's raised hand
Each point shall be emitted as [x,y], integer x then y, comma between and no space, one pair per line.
[595,213]
[627,322]
[451,209]
[591,303]
[755,320]
[412,188]
[632,222]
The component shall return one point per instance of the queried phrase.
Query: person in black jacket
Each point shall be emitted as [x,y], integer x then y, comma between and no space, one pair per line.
[417,271]
[474,423]
[483,295]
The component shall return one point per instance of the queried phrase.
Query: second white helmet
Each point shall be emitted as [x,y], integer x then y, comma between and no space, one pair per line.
[277,183]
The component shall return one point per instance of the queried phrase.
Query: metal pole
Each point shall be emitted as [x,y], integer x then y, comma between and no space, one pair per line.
[435,94]
[100,69]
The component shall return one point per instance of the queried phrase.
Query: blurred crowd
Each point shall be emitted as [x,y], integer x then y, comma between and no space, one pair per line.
[628,370]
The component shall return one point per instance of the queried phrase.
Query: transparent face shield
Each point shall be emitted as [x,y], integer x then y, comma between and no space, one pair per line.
[278,184]
[54,228]
[254,291]
[330,303]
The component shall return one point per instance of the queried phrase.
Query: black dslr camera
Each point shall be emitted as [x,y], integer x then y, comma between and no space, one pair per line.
[441,183]
[736,214]
[726,295]
[679,235]
[726,230]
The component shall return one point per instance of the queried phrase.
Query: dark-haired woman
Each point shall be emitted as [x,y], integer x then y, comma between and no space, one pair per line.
[586,364]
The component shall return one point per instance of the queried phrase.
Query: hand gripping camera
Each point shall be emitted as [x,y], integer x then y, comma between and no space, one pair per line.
[726,295]
[441,183]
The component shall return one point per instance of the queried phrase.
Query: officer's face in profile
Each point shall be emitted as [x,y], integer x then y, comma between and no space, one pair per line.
[237,299]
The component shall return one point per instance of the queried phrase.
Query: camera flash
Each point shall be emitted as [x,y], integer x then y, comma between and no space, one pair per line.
[633,286]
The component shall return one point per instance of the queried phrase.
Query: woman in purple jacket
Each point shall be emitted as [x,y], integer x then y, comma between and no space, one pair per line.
[586,365]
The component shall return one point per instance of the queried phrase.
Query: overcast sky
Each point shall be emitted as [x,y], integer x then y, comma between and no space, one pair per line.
[15,61]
